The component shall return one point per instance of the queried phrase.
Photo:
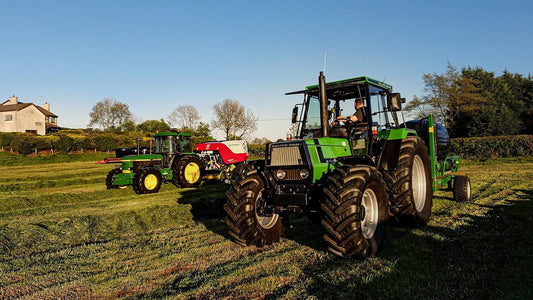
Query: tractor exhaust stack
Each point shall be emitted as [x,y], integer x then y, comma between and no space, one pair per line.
[323,104]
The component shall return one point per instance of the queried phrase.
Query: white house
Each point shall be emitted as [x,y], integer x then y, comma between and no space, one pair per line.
[16,116]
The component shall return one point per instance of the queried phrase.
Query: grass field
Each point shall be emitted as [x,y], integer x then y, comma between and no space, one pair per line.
[63,235]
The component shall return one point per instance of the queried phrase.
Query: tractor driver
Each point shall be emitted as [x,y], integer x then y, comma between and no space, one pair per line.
[358,117]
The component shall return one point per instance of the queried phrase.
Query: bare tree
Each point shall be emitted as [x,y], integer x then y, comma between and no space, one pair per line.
[184,116]
[109,113]
[234,119]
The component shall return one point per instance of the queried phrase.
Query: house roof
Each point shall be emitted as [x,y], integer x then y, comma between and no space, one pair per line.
[20,106]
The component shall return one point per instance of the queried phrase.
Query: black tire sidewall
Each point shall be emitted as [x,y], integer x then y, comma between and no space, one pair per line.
[243,215]
[402,185]
[353,190]
[421,150]
[461,188]
[138,181]
[109,179]
[178,176]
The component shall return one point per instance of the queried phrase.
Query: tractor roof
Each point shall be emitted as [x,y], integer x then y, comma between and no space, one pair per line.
[171,134]
[344,89]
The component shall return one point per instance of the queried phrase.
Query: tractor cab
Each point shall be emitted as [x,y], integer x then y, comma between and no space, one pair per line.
[318,119]
[169,144]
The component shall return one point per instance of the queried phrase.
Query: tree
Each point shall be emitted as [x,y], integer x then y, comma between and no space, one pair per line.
[184,116]
[152,126]
[449,97]
[509,105]
[234,119]
[261,141]
[201,131]
[128,126]
[109,114]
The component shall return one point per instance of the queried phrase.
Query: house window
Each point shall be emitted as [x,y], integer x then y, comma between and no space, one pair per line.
[9,118]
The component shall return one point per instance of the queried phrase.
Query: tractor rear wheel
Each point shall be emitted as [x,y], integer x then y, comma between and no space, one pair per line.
[354,211]
[187,172]
[461,188]
[146,181]
[248,225]
[412,187]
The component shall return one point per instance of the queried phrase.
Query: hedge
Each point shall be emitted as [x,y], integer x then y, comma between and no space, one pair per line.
[483,148]
[477,148]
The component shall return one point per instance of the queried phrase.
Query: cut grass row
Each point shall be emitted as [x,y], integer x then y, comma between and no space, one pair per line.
[82,241]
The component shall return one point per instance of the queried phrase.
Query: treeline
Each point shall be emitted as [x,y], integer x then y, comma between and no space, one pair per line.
[475,148]
[475,102]
[79,140]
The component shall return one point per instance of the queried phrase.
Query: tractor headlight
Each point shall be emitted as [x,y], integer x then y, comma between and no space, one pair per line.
[304,173]
[280,174]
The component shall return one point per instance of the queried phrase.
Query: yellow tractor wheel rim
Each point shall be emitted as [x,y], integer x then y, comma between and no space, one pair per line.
[192,172]
[150,181]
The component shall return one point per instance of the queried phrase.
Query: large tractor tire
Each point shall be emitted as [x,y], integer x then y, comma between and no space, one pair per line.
[187,172]
[354,211]
[412,186]
[109,179]
[246,224]
[461,189]
[240,171]
[146,181]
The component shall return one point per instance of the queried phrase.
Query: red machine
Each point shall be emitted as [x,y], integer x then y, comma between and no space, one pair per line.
[221,158]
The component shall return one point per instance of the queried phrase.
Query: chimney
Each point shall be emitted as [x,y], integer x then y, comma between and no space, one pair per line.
[14,100]
[46,106]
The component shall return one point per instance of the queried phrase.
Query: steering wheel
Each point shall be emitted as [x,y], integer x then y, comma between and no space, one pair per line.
[345,121]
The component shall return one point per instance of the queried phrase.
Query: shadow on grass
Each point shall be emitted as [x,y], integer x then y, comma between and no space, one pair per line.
[490,258]
[207,206]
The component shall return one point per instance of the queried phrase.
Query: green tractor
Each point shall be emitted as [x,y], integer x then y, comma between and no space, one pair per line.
[172,161]
[352,176]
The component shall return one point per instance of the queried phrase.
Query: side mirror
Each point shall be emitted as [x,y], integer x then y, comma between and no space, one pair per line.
[294,114]
[396,102]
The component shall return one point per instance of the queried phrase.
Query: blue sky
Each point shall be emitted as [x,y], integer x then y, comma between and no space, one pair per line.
[157,55]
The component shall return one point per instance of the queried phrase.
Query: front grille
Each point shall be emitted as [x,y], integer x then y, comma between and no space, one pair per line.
[286,156]
[293,175]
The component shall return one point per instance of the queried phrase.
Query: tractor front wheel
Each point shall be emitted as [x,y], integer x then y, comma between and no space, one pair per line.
[240,171]
[146,181]
[109,179]
[247,223]
[187,172]
[354,211]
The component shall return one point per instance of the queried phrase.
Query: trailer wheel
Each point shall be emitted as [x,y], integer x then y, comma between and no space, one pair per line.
[461,189]
[187,172]
[412,188]
[248,225]
[146,181]
[354,211]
